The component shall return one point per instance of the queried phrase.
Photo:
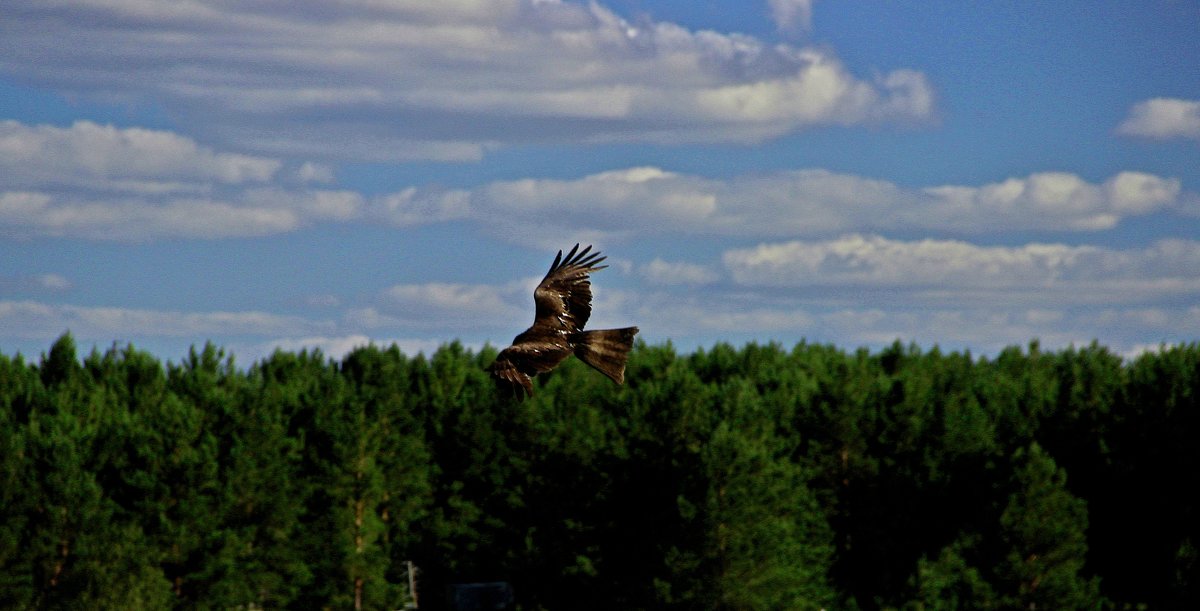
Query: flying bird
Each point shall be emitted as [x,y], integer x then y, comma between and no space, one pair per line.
[564,304]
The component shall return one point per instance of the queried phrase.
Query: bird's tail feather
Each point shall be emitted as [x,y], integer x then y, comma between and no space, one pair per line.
[606,350]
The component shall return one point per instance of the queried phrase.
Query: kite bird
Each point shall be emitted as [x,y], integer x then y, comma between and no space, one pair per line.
[564,303]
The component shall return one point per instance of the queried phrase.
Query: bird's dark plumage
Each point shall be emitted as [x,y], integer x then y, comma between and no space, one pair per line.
[563,303]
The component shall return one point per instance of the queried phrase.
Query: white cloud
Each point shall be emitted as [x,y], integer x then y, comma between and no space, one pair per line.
[878,261]
[670,273]
[869,290]
[308,204]
[982,330]
[878,320]
[413,206]
[53,282]
[446,305]
[1163,118]
[124,159]
[189,201]
[314,172]
[758,320]
[455,299]
[665,314]
[48,282]
[323,300]
[445,80]
[1140,193]
[947,271]
[38,320]
[108,183]
[1047,200]
[139,219]
[648,200]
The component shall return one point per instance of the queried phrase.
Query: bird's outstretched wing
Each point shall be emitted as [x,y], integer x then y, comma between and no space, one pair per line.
[516,365]
[564,296]
[510,379]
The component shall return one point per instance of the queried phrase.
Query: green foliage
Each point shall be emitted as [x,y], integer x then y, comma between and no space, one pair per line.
[1043,527]
[951,580]
[731,478]
[766,539]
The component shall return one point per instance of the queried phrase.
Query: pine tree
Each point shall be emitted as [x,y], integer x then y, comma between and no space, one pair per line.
[87,551]
[184,436]
[952,580]
[19,384]
[1044,528]
[61,363]
[770,546]
[381,379]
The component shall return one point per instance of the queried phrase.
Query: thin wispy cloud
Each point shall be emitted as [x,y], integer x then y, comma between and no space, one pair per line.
[36,283]
[36,319]
[791,15]
[878,319]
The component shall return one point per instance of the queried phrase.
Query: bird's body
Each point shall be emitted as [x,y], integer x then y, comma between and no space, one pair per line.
[564,304]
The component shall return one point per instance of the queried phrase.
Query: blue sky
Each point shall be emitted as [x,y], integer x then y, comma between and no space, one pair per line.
[321,174]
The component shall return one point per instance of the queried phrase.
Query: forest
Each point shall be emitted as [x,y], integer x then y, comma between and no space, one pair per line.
[752,477]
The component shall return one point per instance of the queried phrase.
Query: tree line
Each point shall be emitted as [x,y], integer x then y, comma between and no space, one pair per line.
[757,477]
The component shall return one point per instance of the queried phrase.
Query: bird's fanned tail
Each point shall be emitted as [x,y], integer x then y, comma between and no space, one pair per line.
[606,350]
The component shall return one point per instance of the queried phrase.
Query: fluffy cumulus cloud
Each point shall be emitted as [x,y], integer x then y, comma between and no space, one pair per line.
[646,200]
[1051,200]
[443,80]
[129,159]
[110,183]
[1163,118]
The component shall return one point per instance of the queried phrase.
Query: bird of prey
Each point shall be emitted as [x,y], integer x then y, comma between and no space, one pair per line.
[564,304]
